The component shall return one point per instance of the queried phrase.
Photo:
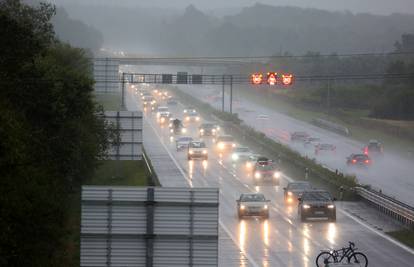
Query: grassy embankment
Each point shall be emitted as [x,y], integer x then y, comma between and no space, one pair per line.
[361,127]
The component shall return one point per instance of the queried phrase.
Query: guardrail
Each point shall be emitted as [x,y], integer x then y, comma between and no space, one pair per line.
[331,126]
[392,207]
[153,178]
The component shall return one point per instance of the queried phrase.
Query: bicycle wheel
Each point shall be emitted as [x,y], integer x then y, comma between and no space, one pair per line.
[358,259]
[324,259]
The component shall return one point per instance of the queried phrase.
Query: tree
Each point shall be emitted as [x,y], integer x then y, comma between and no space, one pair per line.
[51,134]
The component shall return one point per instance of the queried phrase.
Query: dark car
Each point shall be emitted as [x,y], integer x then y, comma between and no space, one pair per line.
[294,190]
[374,148]
[266,171]
[316,204]
[252,204]
[358,160]
[299,137]
[207,129]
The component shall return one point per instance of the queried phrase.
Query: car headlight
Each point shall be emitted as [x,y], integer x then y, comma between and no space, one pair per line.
[233,145]
[145,102]
[242,207]
[197,118]
[257,175]
[218,128]
[265,207]
[183,130]
[221,146]
[249,165]
[331,206]
[190,152]
[171,130]
[204,152]
[289,193]
[158,114]
[170,125]
[162,119]
[214,130]
[235,157]
[201,130]
[306,206]
[187,118]
[276,175]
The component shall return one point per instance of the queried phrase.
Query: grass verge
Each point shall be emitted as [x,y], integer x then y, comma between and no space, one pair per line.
[109,101]
[362,129]
[111,173]
[405,236]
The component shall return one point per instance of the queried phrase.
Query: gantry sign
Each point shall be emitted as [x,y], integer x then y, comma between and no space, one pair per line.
[272,79]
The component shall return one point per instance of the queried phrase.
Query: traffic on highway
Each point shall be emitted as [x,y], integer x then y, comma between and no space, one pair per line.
[275,220]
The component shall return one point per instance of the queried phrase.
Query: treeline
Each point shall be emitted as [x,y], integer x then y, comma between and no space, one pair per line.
[256,30]
[51,136]
[386,98]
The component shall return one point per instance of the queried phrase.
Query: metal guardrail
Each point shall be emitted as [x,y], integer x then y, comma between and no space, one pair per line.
[331,126]
[394,208]
[153,175]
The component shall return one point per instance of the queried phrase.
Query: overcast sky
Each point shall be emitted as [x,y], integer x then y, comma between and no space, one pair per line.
[356,6]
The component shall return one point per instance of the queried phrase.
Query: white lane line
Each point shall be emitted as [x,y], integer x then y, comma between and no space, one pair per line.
[248,256]
[385,236]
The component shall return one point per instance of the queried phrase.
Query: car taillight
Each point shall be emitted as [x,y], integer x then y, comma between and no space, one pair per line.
[366,150]
[367,161]
[354,161]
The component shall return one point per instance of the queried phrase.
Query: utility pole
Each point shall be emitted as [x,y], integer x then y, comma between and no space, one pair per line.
[123,91]
[231,94]
[329,95]
[222,95]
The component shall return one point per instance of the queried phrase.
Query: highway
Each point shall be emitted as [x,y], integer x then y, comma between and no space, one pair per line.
[281,240]
[392,174]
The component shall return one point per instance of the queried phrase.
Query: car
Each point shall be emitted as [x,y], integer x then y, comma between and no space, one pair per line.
[240,154]
[251,161]
[182,142]
[294,190]
[316,203]
[189,109]
[162,109]
[324,148]
[224,143]
[265,170]
[163,115]
[198,150]
[172,101]
[299,137]
[207,129]
[252,204]
[358,160]
[148,100]
[374,148]
[192,116]
[312,142]
[144,94]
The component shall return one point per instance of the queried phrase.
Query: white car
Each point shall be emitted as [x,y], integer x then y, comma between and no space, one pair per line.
[225,143]
[183,142]
[253,204]
[162,110]
[241,154]
[192,116]
[198,150]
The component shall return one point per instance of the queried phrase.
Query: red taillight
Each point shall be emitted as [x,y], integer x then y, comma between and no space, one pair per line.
[366,150]
[354,161]
[367,161]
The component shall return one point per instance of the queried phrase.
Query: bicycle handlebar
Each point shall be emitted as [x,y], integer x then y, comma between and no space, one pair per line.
[351,244]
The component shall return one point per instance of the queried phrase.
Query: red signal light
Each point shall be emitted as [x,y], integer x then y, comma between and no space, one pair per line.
[257,78]
[287,79]
[271,78]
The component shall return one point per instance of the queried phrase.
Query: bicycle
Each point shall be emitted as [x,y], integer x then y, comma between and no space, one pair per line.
[325,258]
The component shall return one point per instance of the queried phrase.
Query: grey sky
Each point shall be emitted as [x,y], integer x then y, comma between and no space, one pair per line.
[355,6]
